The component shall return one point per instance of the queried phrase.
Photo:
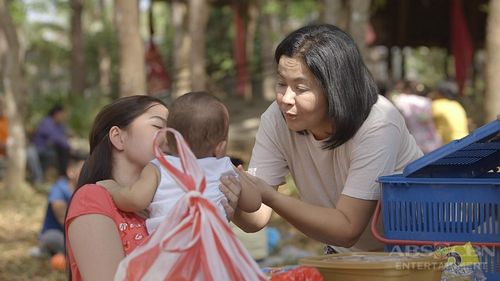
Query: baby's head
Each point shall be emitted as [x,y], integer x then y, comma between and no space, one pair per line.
[203,121]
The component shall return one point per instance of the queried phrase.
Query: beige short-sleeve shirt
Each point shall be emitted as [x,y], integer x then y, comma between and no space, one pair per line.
[382,146]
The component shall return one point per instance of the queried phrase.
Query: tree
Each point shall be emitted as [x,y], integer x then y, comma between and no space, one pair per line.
[77,53]
[268,30]
[198,18]
[13,89]
[492,95]
[131,48]
[181,73]
[335,12]
[351,16]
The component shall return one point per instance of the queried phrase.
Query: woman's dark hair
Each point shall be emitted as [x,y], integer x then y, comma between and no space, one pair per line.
[333,58]
[121,112]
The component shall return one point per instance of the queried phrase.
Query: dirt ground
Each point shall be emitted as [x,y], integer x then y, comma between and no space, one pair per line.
[21,217]
[20,221]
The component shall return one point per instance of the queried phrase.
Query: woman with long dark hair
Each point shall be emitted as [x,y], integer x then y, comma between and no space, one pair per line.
[98,235]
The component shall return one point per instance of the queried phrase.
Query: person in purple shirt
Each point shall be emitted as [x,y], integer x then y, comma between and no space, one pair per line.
[51,141]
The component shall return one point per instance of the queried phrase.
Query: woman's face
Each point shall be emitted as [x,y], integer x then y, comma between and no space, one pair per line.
[301,98]
[138,137]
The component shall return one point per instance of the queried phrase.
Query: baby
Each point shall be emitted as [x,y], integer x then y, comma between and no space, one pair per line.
[203,121]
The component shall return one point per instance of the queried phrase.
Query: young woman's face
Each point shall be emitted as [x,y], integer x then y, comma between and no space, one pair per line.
[138,137]
[301,98]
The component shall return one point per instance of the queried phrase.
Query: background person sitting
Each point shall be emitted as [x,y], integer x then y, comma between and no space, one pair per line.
[448,114]
[51,237]
[51,141]
[4,135]
[417,112]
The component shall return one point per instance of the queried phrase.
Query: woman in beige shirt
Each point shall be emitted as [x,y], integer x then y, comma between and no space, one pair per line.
[333,133]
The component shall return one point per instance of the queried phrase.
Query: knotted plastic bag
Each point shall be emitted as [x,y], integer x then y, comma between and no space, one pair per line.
[194,242]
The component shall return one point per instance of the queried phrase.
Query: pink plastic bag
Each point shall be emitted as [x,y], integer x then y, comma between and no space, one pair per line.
[194,242]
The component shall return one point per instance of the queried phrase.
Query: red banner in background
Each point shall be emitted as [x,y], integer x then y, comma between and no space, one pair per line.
[158,81]
[461,44]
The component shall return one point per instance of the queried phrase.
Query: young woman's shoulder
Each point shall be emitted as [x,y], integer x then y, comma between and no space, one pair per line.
[91,199]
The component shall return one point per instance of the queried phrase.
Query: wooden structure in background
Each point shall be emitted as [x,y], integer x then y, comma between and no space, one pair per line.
[417,23]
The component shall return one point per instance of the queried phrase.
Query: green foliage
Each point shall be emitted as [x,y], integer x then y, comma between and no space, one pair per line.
[220,38]
[17,12]
[47,63]
[105,39]
[272,7]
[302,9]
[426,65]
[82,111]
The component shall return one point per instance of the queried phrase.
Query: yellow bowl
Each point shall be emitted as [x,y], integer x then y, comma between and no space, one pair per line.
[371,266]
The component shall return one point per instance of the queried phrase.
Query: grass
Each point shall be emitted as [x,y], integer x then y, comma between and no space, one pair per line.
[21,217]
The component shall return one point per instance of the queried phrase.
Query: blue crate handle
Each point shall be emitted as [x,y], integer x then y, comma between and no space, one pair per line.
[384,240]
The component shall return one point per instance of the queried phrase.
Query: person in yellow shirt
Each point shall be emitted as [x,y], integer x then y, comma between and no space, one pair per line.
[449,115]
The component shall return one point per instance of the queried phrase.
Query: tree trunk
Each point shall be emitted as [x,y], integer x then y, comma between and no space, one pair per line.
[104,56]
[335,12]
[358,21]
[492,95]
[131,48]
[253,17]
[351,16]
[198,18]
[181,73]
[78,73]
[268,30]
[242,85]
[12,87]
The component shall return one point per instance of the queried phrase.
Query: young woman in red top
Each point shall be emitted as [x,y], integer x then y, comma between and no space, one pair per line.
[98,235]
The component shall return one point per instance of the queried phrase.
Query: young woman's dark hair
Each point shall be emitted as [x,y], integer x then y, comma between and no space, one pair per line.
[119,113]
[333,58]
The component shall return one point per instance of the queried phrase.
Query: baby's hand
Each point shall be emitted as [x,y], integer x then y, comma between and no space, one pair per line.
[109,185]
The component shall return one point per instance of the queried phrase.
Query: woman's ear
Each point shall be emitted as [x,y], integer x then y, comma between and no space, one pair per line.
[116,137]
[220,149]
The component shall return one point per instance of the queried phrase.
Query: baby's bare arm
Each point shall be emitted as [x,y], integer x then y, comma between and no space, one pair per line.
[139,195]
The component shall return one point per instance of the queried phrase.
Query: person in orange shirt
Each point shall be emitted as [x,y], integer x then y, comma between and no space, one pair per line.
[4,134]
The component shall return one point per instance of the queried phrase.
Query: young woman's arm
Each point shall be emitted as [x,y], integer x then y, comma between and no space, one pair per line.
[96,246]
[138,196]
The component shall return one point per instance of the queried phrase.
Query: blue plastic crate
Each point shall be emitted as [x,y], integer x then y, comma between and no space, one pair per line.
[449,195]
